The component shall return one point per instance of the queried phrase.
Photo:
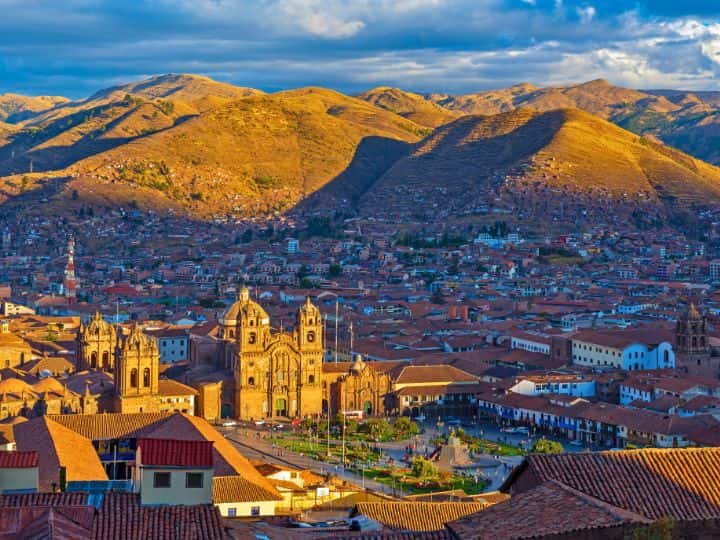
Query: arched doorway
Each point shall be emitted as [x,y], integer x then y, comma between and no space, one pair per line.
[367,408]
[106,360]
[324,406]
[280,407]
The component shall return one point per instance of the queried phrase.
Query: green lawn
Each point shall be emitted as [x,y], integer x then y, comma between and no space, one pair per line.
[402,479]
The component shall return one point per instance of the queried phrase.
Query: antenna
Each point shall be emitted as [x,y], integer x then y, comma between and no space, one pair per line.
[352,339]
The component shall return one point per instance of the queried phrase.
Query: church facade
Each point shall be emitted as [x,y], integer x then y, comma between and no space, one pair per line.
[276,373]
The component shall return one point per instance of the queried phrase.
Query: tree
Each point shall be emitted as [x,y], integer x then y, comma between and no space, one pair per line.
[545,446]
[422,468]
[377,428]
[404,427]
[335,270]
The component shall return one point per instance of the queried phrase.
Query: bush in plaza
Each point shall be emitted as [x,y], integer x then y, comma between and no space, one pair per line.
[545,446]
[404,427]
[422,468]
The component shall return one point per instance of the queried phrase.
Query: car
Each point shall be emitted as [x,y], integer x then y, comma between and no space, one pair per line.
[522,430]
[420,418]
[277,427]
[454,422]
[259,422]
[576,443]
[229,423]
[508,430]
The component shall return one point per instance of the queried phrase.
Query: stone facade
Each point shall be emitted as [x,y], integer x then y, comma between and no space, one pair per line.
[96,345]
[276,373]
[136,374]
[362,388]
[692,349]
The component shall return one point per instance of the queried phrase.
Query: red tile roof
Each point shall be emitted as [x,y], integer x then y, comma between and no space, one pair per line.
[682,483]
[121,516]
[549,509]
[174,453]
[19,460]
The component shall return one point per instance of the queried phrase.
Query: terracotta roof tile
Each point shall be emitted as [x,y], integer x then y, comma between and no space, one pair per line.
[238,489]
[549,509]
[683,483]
[175,453]
[58,447]
[416,516]
[121,516]
[98,427]
[19,460]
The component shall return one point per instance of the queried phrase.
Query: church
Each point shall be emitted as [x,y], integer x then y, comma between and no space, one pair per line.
[276,373]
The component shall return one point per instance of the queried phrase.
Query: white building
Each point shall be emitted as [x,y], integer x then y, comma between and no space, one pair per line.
[622,349]
[571,385]
[530,342]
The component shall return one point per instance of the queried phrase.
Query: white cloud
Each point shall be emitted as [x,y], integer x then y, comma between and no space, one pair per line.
[586,14]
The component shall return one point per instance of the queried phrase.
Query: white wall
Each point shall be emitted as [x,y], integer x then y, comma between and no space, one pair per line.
[177,493]
[26,478]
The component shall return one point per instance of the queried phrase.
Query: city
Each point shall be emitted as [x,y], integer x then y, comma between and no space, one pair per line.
[316,307]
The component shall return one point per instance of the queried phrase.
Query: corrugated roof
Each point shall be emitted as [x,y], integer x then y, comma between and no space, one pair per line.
[175,453]
[19,460]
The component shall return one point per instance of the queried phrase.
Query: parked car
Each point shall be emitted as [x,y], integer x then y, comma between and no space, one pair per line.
[259,422]
[229,423]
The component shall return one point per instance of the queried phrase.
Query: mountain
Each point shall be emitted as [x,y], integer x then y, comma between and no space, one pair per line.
[408,105]
[254,155]
[688,121]
[15,108]
[54,138]
[564,164]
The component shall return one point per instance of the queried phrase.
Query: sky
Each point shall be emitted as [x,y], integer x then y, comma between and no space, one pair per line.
[76,47]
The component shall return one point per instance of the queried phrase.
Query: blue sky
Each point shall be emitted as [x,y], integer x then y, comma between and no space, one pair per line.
[74,47]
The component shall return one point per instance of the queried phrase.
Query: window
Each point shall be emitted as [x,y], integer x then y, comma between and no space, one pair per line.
[311,379]
[252,338]
[251,381]
[161,480]
[193,480]
[146,377]
[133,378]
[255,511]
[232,512]
[311,337]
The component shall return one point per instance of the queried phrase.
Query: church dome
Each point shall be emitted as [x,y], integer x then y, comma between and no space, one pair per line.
[244,308]
[358,365]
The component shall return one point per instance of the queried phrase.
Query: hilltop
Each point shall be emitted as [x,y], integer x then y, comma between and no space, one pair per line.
[532,163]
[195,146]
[687,120]
[15,108]
[251,156]
[408,105]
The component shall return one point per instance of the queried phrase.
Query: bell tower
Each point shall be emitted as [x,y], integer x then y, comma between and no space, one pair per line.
[309,328]
[137,369]
[692,347]
[96,343]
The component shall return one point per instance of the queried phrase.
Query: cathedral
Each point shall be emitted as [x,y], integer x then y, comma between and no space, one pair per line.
[276,373]
[133,359]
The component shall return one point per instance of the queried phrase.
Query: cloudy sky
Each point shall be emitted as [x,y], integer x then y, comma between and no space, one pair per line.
[74,47]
